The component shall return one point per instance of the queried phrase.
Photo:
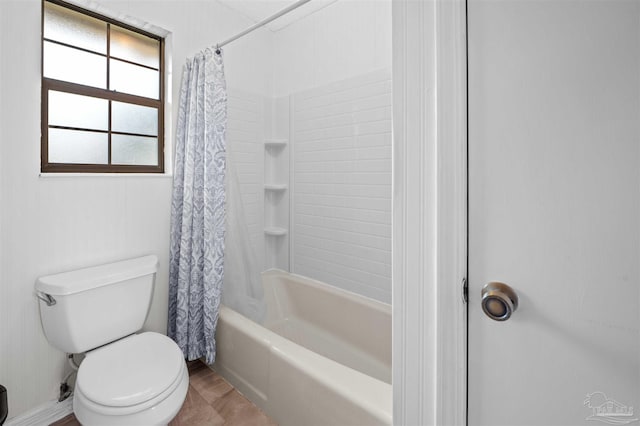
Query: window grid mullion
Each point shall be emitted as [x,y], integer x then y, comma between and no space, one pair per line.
[109,88]
[84,129]
[110,133]
[96,92]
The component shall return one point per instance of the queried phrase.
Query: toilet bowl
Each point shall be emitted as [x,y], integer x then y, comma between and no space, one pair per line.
[139,380]
[125,378]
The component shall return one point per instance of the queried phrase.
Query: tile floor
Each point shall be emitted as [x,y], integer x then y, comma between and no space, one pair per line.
[210,401]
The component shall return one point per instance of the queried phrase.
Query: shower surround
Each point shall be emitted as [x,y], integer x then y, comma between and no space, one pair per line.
[323,180]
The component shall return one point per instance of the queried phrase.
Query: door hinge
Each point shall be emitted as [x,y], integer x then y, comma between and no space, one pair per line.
[465,290]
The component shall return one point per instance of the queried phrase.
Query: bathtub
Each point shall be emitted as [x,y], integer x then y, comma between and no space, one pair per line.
[322,357]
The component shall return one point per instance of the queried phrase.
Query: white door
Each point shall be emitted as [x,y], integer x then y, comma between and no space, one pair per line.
[554,210]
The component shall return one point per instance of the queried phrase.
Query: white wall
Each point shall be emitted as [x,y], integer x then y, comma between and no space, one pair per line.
[4,293]
[50,224]
[345,39]
[335,67]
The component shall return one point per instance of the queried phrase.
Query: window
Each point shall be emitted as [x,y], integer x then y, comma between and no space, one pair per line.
[102,94]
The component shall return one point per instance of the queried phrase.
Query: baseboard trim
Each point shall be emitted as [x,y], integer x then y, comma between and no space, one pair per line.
[44,414]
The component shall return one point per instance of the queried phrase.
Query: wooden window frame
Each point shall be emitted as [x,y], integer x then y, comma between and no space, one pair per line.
[79,89]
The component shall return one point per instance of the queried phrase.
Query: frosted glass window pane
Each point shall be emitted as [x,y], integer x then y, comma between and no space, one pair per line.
[132,118]
[78,147]
[70,27]
[135,47]
[75,66]
[134,150]
[69,110]
[128,78]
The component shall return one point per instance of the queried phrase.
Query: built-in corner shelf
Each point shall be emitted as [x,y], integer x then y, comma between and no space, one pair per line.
[275,187]
[275,231]
[275,143]
[276,198]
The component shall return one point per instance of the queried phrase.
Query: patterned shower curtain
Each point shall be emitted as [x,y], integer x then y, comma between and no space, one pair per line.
[196,269]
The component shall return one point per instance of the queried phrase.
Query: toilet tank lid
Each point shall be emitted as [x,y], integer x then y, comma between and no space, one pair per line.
[71,282]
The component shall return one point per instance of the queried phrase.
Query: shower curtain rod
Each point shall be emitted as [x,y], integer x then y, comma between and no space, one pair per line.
[262,23]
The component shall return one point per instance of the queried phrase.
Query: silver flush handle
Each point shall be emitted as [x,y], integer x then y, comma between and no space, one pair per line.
[46,298]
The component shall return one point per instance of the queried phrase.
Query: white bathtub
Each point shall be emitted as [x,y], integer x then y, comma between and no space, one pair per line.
[323,356]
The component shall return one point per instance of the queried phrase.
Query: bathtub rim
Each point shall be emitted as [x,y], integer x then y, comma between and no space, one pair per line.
[374,303]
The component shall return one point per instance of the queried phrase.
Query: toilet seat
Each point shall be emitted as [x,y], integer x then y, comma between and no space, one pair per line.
[131,375]
[131,371]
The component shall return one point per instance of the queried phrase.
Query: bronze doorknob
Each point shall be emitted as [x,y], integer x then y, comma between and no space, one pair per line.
[499,301]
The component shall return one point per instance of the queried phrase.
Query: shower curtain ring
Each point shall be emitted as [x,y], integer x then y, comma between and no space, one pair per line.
[217,49]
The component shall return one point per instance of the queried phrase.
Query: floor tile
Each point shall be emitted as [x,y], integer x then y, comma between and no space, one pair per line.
[237,410]
[196,411]
[69,420]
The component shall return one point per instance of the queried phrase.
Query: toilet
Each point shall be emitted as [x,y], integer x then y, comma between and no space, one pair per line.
[125,378]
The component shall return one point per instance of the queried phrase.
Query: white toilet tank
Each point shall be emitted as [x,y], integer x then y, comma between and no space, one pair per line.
[97,305]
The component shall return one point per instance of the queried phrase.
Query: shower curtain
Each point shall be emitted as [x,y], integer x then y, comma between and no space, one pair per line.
[197,240]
